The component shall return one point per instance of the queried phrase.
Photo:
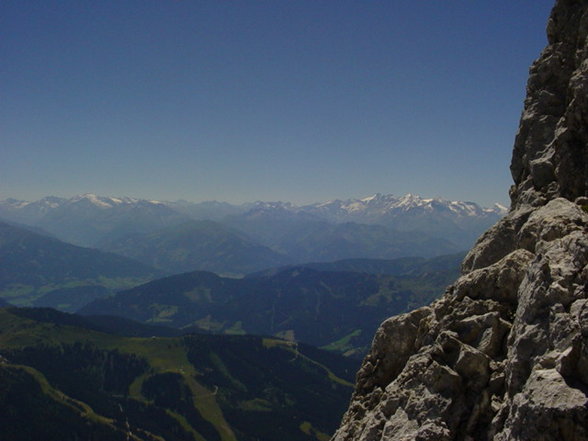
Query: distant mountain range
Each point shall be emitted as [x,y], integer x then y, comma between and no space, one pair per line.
[87,219]
[205,245]
[457,221]
[236,239]
[304,240]
[38,270]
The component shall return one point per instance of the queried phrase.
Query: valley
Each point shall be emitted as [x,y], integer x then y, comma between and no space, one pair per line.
[339,310]
[229,327]
[41,270]
[336,305]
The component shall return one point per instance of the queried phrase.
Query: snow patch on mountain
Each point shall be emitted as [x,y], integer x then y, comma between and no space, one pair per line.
[378,205]
[105,201]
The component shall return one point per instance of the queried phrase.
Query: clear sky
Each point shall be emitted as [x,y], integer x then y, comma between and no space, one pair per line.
[243,100]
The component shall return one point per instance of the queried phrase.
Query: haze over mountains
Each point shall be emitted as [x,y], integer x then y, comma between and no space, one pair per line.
[44,271]
[204,245]
[87,219]
[378,209]
[335,304]
[302,263]
[257,235]
[103,377]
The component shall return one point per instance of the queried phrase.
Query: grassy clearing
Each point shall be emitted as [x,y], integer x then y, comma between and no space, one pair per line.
[169,355]
[236,329]
[291,346]
[306,428]
[344,344]
[164,313]
[256,405]
[330,373]
[205,403]
[183,422]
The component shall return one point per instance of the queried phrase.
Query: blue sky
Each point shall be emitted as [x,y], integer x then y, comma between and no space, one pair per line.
[294,100]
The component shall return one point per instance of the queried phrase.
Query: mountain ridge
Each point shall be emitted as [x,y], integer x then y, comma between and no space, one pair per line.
[325,308]
[379,226]
[377,209]
[87,219]
[196,245]
[36,267]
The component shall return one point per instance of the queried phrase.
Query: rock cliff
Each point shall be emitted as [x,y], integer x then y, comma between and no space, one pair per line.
[503,355]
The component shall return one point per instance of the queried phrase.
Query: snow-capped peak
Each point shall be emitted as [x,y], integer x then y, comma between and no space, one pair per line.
[372,198]
[93,199]
[105,201]
[14,204]
[410,200]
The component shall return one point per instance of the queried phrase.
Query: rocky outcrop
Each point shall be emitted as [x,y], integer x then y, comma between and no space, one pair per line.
[503,355]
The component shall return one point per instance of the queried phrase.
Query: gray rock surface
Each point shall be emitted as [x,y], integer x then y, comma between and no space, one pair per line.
[503,355]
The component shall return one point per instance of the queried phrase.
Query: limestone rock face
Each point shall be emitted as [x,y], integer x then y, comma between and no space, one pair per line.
[503,355]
